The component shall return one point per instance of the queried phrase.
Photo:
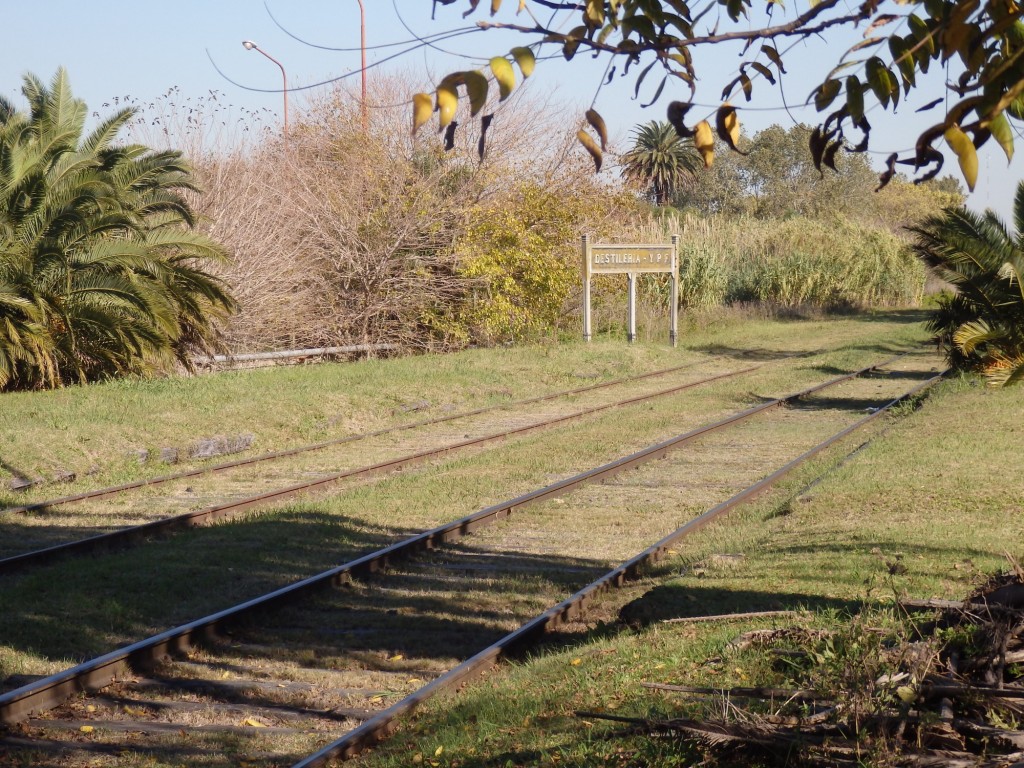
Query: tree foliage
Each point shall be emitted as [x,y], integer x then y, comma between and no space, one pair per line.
[979,44]
[100,271]
[775,178]
[660,161]
[981,326]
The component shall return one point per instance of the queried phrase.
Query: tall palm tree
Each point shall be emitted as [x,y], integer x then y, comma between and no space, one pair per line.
[982,324]
[96,248]
[660,160]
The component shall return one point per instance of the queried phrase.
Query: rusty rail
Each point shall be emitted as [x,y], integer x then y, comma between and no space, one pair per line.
[36,506]
[381,725]
[53,690]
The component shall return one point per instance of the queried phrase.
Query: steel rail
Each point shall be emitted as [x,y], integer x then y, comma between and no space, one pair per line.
[160,479]
[135,533]
[372,731]
[53,690]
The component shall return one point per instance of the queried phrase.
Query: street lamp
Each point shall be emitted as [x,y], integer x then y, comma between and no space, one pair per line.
[249,45]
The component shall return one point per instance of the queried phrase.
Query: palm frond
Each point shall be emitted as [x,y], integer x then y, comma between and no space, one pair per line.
[982,327]
[101,271]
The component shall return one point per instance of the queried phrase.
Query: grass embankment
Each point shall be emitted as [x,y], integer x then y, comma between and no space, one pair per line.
[925,509]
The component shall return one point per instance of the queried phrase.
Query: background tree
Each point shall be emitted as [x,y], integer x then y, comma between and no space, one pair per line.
[776,178]
[984,39]
[660,161]
[100,270]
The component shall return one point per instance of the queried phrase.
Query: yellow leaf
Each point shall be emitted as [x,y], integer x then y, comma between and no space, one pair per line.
[576,662]
[591,146]
[413,680]
[252,723]
[423,108]
[504,74]
[495,6]
[90,707]
[397,657]
[962,145]
[438,751]
[1002,133]
[86,729]
[522,6]
[525,59]
[728,125]
[417,758]
[597,123]
[704,141]
[447,101]
[906,693]
[476,87]
[225,675]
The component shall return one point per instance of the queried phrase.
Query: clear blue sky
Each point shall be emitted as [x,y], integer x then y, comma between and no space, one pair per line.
[141,49]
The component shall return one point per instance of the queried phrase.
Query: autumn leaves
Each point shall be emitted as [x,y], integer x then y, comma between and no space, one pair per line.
[445,100]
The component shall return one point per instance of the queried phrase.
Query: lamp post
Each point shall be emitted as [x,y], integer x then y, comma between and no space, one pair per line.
[249,45]
[362,49]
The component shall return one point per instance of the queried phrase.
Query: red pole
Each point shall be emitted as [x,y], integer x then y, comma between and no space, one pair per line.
[362,48]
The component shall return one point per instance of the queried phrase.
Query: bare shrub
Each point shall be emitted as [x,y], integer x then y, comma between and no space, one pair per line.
[350,235]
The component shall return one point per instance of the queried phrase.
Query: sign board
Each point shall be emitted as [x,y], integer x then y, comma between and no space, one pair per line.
[631,260]
[623,259]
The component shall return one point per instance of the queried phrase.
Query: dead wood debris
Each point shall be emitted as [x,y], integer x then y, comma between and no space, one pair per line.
[946,693]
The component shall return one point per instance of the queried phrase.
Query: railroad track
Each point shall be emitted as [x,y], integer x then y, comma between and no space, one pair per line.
[99,493]
[43,536]
[290,670]
[128,535]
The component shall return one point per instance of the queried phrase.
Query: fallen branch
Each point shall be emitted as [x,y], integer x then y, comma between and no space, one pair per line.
[954,690]
[768,636]
[967,606]
[727,617]
[788,694]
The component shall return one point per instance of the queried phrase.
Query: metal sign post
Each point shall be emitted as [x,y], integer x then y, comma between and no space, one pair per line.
[631,307]
[586,288]
[673,311]
[631,260]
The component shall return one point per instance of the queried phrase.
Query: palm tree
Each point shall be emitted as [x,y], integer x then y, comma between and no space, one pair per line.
[982,325]
[100,270]
[660,160]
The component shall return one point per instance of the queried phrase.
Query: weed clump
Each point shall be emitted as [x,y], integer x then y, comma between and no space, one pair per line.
[921,683]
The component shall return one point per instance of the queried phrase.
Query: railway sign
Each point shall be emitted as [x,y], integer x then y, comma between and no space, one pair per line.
[631,260]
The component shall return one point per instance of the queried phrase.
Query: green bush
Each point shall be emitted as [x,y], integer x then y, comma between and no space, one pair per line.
[703,277]
[792,262]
